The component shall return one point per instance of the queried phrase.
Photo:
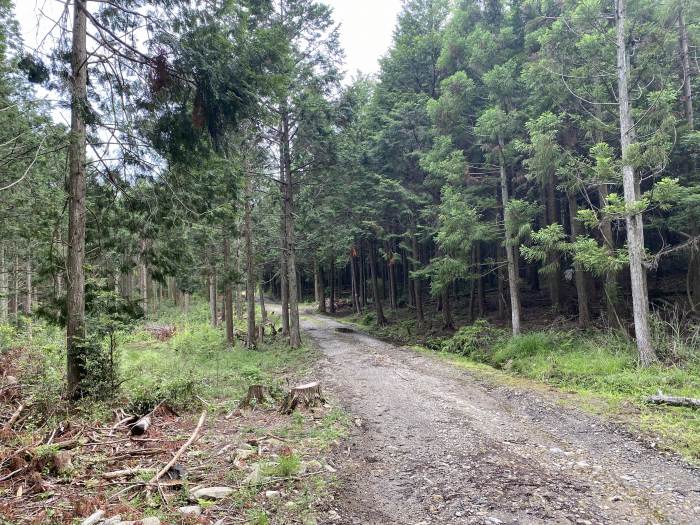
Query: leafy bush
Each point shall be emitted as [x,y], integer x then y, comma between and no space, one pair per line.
[198,338]
[525,347]
[179,393]
[476,340]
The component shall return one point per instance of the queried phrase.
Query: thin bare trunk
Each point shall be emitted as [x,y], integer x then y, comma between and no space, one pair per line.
[353,273]
[685,64]
[381,320]
[263,310]
[75,299]
[3,286]
[250,264]
[28,290]
[319,287]
[333,285]
[417,294]
[143,279]
[510,252]
[213,306]
[15,298]
[635,226]
[228,293]
[584,315]
[288,186]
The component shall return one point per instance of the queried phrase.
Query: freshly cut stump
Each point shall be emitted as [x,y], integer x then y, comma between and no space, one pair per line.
[308,396]
[257,395]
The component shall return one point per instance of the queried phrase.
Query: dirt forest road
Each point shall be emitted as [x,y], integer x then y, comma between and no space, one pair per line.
[438,445]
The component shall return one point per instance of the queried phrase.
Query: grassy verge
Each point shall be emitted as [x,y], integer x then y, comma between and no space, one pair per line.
[599,367]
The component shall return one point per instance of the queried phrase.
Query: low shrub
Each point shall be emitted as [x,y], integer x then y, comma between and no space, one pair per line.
[476,340]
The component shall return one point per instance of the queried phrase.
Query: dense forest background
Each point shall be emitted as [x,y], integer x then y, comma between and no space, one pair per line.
[529,162]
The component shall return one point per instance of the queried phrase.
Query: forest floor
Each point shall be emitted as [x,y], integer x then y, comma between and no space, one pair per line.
[435,443]
[61,464]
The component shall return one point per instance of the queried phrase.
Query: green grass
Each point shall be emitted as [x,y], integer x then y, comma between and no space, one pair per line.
[197,362]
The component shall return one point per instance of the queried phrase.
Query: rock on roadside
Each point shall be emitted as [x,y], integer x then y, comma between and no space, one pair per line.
[210,493]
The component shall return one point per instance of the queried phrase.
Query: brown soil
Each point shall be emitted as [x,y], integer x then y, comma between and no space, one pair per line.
[436,444]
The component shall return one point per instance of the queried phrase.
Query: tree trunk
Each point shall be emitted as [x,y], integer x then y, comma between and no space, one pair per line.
[510,253]
[552,214]
[228,293]
[319,288]
[381,320]
[392,276]
[685,64]
[480,300]
[15,299]
[284,285]
[447,320]
[363,280]
[417,295]
[407,282]
[635,226]
[144,279]
[75,299]
[288,185]
[28,287]
[353,274]
[263,310]
[212,300]
[333,287]
[584,315]
[4,296]
[250,263]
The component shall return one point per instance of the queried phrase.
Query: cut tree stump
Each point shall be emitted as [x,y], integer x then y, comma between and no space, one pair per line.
[257,395]
[308,396]
[661,399]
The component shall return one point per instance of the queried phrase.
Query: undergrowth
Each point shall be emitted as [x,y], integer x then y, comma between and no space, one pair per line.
[191,368]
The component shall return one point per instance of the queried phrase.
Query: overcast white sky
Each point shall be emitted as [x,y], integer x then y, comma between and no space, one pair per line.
[366,27]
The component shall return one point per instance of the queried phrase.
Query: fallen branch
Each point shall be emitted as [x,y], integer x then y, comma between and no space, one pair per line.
[660,399]
[15,416]
[125,472]
[177,455]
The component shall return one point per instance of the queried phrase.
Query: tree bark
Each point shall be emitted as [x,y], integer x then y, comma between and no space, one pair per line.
[584,315]
[250,263]
[447,320]
[263,310]
[228,293]
[552,214]
[4,296]
[417,294]
[75,299]
[333,287]
[354,283]
[381,320]
[284,285]
[633,218]
[288,185]
[212,300]
[685,64]
[144,279]
[29,290]
[319,288]
[15,292]
[510,255]
[480,300]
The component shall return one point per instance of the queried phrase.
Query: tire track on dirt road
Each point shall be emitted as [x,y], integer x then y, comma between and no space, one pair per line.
[439,445]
